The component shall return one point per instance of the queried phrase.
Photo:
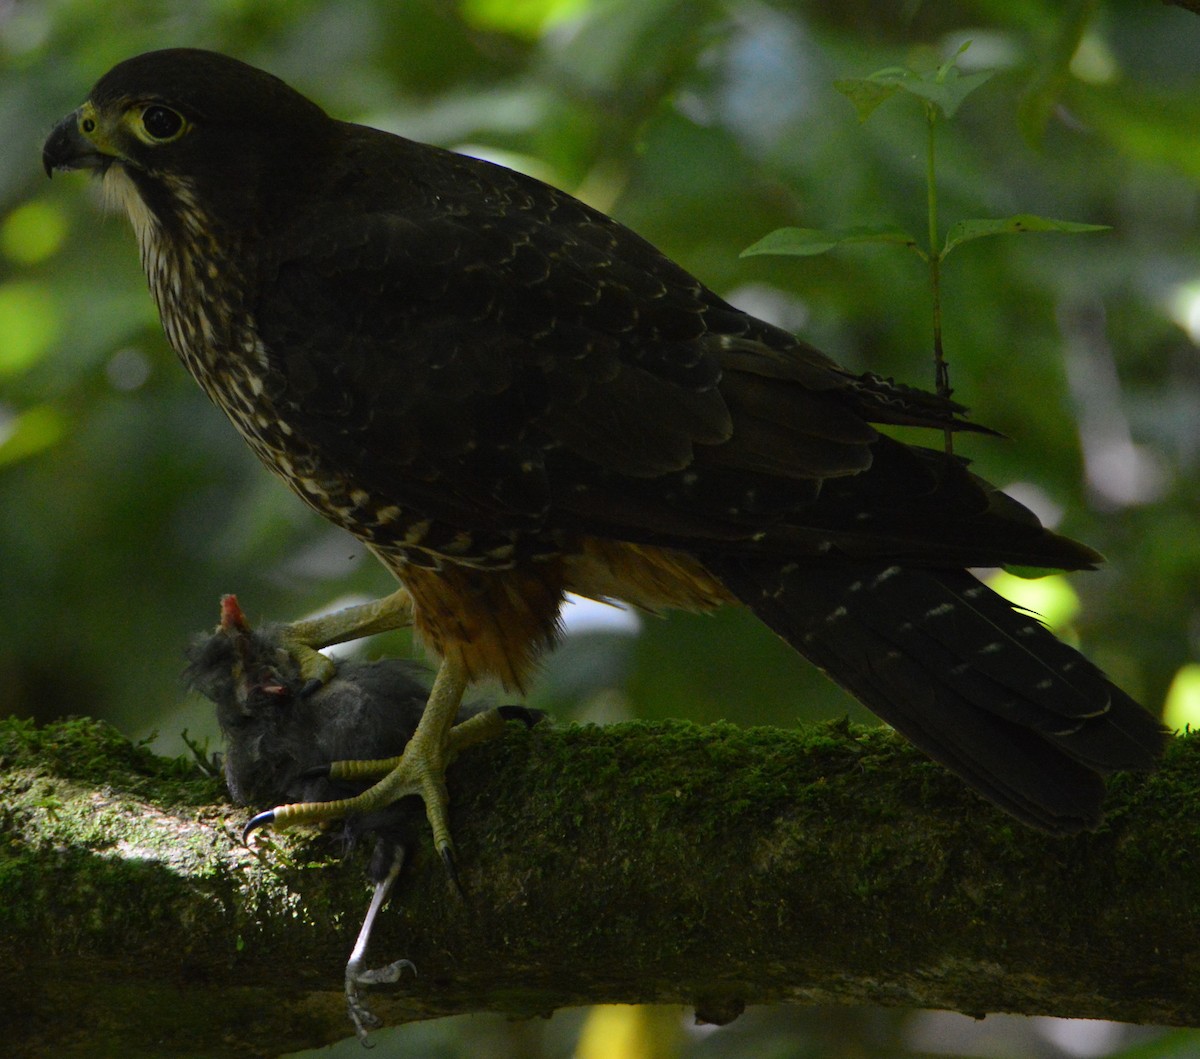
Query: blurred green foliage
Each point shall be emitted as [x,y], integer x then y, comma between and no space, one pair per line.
[129,505]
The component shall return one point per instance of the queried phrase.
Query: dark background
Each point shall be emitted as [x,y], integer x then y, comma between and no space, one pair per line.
[128,505]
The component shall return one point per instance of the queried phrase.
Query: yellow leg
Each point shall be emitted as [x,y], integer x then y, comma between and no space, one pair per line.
[489,724]
[304,639]
[421,769]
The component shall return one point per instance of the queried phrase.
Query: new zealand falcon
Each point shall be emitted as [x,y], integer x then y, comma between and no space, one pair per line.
[508,396]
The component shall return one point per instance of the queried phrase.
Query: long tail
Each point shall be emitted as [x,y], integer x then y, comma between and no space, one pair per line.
[979,686]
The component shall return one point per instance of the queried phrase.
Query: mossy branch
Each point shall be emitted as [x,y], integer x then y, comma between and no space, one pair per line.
[711,866]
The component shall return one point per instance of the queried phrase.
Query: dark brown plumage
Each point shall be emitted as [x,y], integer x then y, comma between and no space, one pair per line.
[508,396]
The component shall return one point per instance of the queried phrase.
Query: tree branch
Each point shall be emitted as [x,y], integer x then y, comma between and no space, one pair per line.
[711,866]
[1189,5]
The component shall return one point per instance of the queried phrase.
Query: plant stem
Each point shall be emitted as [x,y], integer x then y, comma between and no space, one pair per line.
[941,369]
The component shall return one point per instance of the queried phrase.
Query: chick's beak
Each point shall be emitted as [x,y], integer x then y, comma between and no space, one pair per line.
[68,148]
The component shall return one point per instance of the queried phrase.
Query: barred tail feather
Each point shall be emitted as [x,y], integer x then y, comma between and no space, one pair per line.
[979,686]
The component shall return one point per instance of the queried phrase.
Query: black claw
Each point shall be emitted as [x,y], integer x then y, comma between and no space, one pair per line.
[262,820]
[310,687]
[316,772]
[447,854]
[523,714]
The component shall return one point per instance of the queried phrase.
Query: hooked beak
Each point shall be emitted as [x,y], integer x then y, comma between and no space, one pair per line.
[68,148]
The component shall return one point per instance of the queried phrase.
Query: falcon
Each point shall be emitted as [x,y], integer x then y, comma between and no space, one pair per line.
[508,396]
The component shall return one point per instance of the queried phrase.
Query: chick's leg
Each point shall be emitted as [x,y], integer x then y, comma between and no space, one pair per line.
[357,974]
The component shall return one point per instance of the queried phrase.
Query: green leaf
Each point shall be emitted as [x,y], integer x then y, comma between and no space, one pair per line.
[29,433]
[866,93]
[1182,707]
[964,231]
[947,93]
[1049,596]
[29,324]
[527,18]
[1054,71]
[808,242]
[946,87]
[33,232]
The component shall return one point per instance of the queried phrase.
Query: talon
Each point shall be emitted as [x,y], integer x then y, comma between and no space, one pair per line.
[447,855]
[524,714]
[311,687]
[316,669]
[419,770]
[363,1017]
[387,975]
[261,820]
[317,772]
[360,1013]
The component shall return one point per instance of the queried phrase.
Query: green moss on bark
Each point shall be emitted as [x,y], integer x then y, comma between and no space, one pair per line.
[714,866]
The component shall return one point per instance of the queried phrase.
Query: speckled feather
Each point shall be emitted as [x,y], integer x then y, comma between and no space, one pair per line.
[508,395]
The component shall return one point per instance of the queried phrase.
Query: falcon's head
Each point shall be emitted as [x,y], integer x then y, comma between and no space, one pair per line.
[173,128]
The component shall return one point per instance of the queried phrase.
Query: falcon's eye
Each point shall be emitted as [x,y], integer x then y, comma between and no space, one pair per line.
[162,124]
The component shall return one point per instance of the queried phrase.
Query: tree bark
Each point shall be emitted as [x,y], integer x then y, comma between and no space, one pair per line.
[709,866]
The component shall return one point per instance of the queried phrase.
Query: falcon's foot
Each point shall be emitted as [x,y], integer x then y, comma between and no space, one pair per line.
[304,639]
[420,770]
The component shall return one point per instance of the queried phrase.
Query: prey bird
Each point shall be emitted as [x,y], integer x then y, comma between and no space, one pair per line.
[285,740]
[508,396]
